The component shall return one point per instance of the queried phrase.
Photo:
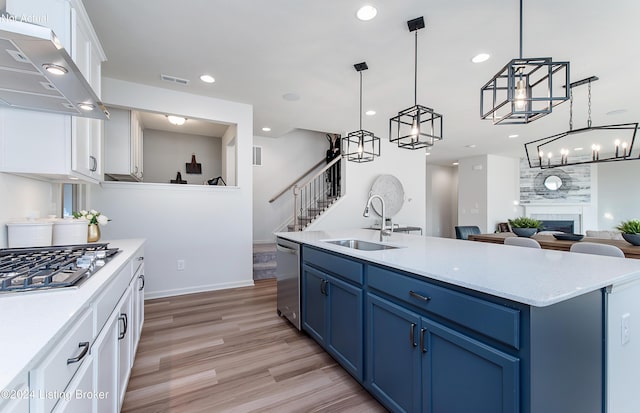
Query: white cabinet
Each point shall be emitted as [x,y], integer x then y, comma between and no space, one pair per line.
[125,343]
[57,147]
[123,153]
[138,305]
[79,394]
[17,398]
[105,354]
[50,378]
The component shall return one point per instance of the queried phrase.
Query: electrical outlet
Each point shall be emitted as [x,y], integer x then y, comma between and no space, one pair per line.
[180,265]
[626,328]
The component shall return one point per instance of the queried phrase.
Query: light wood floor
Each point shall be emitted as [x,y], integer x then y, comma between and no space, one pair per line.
[228,351]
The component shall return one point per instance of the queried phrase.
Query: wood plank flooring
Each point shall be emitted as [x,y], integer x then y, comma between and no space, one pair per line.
[228,351]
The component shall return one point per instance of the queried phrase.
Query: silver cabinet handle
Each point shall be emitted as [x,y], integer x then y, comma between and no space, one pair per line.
[141,276]
[94,163]
[412,333]
[422,330]
[419,297]
[140,258]
[123,318]
[85,348]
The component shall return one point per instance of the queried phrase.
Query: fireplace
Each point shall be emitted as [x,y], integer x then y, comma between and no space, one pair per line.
[557,225]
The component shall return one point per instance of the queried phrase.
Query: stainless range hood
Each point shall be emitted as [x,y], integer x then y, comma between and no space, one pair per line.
[28,53]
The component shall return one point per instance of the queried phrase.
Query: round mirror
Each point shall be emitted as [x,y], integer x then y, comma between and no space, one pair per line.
[553,183]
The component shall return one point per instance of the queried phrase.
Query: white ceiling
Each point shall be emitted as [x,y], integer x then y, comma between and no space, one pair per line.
[158,121]
[259,51]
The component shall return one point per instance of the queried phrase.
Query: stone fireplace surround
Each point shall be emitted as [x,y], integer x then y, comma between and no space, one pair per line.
[557,213]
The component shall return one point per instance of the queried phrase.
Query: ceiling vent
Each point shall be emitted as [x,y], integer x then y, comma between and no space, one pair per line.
[173,79]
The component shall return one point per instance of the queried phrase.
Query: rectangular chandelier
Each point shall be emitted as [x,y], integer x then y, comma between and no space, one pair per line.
[592,144]
[524,90]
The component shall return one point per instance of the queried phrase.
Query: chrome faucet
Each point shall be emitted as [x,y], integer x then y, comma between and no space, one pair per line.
[383,231]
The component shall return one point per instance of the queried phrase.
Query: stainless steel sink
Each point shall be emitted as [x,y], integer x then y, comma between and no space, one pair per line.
[361,245]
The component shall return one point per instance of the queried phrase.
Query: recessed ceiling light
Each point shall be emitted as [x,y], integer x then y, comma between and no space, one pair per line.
[207,78]
[366,13]
[481,57]
[55,69]
[291,97]
[86,106]
[470,146]
[176,120]
[578,149]
[266,129]
[370,112]
[616,112]
[513,136]
[427,153]
[455,163]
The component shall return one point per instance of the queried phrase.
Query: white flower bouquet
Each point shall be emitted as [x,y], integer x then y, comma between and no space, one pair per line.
[92,217]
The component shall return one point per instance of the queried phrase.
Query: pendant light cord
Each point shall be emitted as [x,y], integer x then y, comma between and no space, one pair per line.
[521,29]
[360,100]
[415,75]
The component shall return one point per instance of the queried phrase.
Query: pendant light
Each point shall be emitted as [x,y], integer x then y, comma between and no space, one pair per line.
[418,126]
[524,90]
[608,143]
[361,145]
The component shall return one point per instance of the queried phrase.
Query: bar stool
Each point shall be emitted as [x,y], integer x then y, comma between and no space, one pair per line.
[597,249]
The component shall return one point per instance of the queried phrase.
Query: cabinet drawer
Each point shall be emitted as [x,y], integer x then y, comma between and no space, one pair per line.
[493,320]
[105,304]
[343,267]
[54,374]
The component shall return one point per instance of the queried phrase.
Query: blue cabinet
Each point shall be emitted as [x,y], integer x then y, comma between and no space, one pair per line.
[417,365]
[332,313]
[438,348]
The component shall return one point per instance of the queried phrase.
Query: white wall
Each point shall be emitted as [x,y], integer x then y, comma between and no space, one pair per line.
[283,160]
[618,193]
[487,188]
[209,227]
[503,181]
[166,153]
[24,197]
[442,197]
[406,165]
[472,192]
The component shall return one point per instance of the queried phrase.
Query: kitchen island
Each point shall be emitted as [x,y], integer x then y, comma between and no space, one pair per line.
[72,349]
[444,325]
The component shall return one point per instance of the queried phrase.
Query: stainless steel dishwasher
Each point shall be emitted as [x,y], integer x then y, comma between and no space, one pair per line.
[288,280]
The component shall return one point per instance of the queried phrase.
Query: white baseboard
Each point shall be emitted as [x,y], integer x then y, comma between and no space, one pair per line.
[150,295]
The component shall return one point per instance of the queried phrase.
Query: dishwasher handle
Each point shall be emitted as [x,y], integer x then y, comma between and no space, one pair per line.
[282,248]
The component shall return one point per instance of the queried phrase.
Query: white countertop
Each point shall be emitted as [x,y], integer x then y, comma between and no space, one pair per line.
[535,277]
[32,321]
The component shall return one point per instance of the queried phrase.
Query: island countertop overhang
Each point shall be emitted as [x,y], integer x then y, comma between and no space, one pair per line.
[529,276]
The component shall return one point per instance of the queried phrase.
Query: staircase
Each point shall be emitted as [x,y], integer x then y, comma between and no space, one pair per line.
[312,198]
[264,261]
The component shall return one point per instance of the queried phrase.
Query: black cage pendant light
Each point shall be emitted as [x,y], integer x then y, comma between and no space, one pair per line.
[592,144]
[418,126]
[361,145]
[524,90]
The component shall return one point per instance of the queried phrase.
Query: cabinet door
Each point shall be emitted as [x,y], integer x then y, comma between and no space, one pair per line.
[138,309]
[393,356]
[314,299]
[80,392]
[123,328]
[344,338]
[105,355]
[461,374]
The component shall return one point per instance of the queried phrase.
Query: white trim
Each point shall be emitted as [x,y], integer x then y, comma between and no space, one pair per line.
[198,289]
[174,187]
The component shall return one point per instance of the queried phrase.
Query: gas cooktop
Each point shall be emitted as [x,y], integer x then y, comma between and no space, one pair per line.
[44,268]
